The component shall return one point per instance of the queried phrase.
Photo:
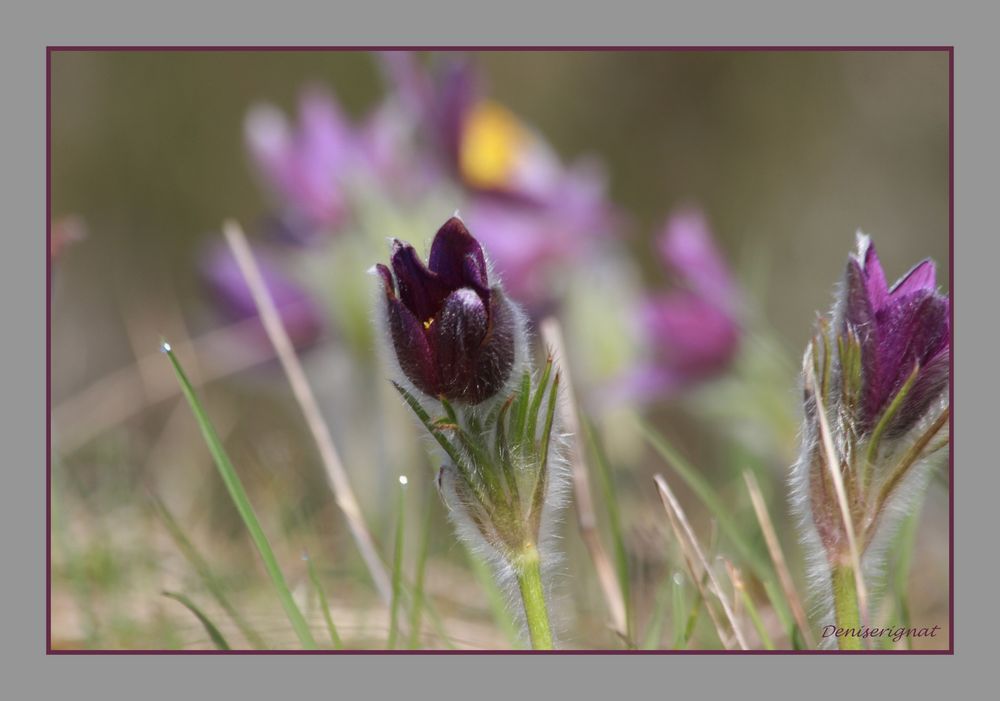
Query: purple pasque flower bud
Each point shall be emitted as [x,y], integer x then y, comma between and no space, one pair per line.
[902,331]
[876,404]
[454,335]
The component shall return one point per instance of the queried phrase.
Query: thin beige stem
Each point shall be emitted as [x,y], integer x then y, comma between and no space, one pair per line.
[552,336]
[697,577]
[671,504]
[833,465]
[342,491]
[737,585]
[778,558]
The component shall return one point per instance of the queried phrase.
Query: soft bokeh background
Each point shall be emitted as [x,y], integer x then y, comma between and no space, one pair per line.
[787,154]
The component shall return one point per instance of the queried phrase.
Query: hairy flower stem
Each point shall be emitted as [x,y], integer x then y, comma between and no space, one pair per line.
[845,605]
[529,580]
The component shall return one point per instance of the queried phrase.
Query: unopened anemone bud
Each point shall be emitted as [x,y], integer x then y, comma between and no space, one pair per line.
[454,334]
[875,380]
[904,336]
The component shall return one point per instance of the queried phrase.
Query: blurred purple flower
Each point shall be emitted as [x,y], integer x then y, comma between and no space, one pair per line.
[693,331]
[530,210]
[299,313]
[901,330]
[309,166]
[436,102]
[527,243]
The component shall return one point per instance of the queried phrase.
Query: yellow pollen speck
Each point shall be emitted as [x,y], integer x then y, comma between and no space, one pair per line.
[427,324]
[490,143]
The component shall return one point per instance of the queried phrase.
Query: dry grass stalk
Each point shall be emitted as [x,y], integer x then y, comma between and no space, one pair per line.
[778,558]
[342,491]
[583,496]
[674,510]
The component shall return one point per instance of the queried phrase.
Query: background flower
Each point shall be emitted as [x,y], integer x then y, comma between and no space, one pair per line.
[535,215]
[300,315]
[693,331]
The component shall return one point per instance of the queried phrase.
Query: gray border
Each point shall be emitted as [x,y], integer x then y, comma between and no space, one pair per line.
[23,302]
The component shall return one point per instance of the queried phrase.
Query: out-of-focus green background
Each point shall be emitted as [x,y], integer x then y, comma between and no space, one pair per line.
[788,153]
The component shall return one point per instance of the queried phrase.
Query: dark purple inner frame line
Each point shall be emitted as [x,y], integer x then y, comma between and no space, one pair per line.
[236,48]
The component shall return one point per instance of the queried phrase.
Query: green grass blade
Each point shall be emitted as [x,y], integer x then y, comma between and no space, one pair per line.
[80,583]
[758,562]
[692,619]
[213,632]
[205,573]
[776,595]
[654,633]
[323,603]
[417,607]
[609,497]
[436,621]
[242,503]
[755,617]
[700,486]
[397,566]
[905,545]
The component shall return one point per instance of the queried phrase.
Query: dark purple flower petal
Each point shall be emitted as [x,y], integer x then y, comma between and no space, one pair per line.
[912,332]
[858,312]
[458,331]
[920,277]
[878,290]
[419,288]
[928,387]
[475,350]
[409,339]
[387,282]
[454,335]
[458,259]
[902,328]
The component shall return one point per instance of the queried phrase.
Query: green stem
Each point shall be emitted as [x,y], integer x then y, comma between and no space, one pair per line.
[529,579]
[845,605]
